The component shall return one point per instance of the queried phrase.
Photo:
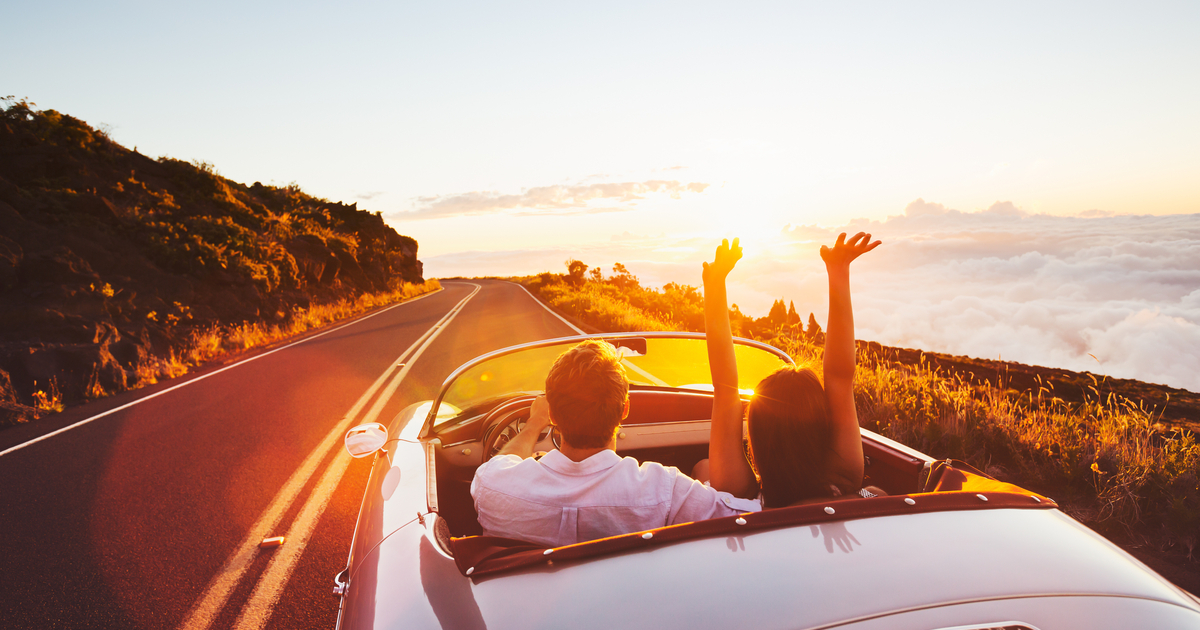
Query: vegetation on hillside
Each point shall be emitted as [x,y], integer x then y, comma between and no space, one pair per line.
[117,269]
[1106,455]
[619,302]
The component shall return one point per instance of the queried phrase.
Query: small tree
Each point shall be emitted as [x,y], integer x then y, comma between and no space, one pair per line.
[575,271]
[622,279]
[778,315]
[814,329]
[597,275]
[793,316]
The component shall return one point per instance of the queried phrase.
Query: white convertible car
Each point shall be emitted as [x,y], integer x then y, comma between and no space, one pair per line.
[948,548]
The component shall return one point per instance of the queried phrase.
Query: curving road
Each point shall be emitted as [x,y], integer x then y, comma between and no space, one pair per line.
[144,510]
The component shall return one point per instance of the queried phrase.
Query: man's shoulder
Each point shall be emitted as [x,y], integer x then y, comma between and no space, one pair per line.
[502,470]
[651,469]
[502,464]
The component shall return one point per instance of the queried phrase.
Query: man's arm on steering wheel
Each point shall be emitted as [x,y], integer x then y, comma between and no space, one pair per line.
[523,445]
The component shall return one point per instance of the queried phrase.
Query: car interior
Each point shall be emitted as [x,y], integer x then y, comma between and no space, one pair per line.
[665,425]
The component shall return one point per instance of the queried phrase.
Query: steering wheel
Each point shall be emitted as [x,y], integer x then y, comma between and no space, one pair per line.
[504,422]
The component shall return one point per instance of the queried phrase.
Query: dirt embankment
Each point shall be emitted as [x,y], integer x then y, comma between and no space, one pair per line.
[109,258]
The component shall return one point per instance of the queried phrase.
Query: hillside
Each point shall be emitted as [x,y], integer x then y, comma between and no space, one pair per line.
[111,261]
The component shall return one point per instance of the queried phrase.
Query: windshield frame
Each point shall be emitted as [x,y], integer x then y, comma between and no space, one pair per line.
[430,418]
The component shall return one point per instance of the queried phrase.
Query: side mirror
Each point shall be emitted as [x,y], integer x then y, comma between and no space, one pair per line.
[365,439]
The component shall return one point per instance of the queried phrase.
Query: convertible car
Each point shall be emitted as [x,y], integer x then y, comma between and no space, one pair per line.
[947,548]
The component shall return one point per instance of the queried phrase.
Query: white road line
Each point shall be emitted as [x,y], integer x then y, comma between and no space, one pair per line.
[216,594]
[261,604]
[560,317]
[654,379]
[202,377]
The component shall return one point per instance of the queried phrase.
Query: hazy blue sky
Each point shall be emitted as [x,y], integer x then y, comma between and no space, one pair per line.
[507,137]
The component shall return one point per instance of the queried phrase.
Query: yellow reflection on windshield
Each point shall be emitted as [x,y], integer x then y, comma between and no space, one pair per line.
[668,362]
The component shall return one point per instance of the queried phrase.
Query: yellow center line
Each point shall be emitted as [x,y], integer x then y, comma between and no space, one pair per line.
[258,608]
[217,592]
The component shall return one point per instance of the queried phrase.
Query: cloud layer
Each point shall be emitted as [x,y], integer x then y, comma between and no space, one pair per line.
[549,200]
[1037,289]
[1114,295]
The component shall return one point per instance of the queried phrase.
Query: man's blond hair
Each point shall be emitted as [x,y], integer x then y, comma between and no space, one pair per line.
[587,390]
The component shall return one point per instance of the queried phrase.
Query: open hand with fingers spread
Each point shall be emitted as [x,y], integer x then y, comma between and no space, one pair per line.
[844,252]
[726,257]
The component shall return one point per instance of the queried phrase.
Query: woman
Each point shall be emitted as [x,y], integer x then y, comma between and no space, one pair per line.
[804,439]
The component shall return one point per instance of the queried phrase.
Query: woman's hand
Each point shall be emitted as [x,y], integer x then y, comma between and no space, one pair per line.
[728,469]
[846,466]
[843,253]
[726,257]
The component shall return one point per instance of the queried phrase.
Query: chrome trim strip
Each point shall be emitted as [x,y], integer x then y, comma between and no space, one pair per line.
[998,598]
[663,428]
[994,624]
[431,473]
[661,424]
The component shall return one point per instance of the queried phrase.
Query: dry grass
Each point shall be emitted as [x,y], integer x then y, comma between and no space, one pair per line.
[1116,463]
[592,304]
[1108,459]
[48,399]
[205,345]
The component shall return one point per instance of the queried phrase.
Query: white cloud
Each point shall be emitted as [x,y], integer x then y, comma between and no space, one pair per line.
[1039,289]
[549,200]
[806,232]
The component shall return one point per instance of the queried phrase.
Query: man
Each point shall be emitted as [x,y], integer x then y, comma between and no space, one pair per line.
[586,491]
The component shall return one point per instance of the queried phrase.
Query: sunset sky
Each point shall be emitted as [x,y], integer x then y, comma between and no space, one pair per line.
[1018,148]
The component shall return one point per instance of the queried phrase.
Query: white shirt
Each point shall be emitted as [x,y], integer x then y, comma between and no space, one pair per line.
[555,501]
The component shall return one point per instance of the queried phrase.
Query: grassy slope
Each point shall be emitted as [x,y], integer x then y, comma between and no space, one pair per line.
[117,269]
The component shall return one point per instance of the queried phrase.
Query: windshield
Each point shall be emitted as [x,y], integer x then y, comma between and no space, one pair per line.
[678,361]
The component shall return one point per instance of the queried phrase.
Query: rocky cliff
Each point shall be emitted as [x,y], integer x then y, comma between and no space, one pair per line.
[108,257]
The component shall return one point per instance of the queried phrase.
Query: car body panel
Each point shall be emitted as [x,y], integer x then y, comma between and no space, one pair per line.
[919,570]
[784,578]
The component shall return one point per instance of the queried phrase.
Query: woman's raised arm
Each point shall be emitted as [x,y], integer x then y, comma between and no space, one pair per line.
[728,469]
[846,467]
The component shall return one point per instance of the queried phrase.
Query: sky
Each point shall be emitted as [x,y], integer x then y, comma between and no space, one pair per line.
[1013,156]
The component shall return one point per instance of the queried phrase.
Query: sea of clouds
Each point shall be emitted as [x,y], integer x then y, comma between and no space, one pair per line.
[1115,295]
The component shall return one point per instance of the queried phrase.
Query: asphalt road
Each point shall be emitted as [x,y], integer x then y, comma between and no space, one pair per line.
[128,521]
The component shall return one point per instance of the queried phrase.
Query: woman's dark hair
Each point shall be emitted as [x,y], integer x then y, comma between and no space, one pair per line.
[790,436]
